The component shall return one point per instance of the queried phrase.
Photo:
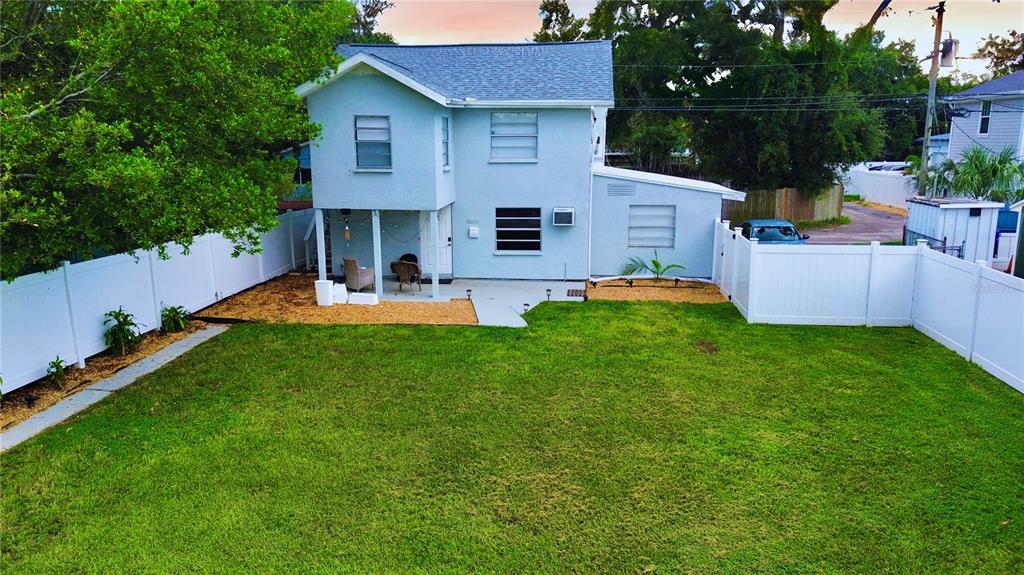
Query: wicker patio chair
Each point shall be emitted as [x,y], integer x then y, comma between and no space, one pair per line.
[356,278]
[407,272]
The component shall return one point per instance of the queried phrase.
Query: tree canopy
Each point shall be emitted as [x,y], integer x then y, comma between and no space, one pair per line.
[1005,54]
[763,94]
[130,124]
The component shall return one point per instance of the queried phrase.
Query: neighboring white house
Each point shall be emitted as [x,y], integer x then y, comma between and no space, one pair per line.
[990,115]
[486,161]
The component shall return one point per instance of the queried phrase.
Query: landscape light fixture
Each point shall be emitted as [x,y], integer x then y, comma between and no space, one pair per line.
[549,293]
[469,294]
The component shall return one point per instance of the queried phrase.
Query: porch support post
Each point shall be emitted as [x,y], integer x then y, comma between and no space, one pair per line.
[378,260]
[435,232]
[321,244]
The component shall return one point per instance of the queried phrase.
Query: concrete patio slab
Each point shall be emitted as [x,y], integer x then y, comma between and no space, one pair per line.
[73,404]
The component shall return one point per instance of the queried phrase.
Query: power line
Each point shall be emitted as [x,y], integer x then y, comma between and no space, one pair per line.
[820,97]
[780,65]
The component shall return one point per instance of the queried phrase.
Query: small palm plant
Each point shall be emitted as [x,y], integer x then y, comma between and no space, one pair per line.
[637,265]
[983,175]
[123,334]
[173,318]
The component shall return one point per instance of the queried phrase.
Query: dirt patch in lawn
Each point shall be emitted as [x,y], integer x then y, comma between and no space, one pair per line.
[292,299]
[655,290]
[886,208]
[24,402]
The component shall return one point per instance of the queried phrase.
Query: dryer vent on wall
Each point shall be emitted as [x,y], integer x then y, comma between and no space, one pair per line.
[621,189]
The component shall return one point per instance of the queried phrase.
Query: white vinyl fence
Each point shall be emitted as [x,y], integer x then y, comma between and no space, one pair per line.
[60,313]
[972,309]
[879,186]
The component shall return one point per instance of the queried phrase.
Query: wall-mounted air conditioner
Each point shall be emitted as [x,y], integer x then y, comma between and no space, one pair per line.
[563,216]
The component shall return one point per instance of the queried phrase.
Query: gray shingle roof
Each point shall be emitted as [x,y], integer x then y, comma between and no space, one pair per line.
[536,71]
[1011,83]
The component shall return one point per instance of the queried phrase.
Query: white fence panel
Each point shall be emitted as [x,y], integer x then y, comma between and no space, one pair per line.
[999,330]
[41,321]
[35,325]
[104,284]
[944,300]
[881,186]
[972,309]
[825,285]
[186,280]
[892,286]
[232,274]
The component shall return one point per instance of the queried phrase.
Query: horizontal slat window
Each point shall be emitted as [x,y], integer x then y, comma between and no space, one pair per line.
[517,229]
[513,135]
[652,226]
[373,141]
[445,161]
[986,116]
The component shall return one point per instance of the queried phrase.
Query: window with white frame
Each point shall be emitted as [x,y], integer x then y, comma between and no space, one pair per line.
[444,142]
[513,135]
[986,116]
[373,142]
[517,229]
[652,227]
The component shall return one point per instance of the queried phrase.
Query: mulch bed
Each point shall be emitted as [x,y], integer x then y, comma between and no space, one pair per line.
[649,289]
[24,402]
[291,299]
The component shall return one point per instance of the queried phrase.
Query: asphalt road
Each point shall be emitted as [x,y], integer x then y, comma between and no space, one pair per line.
[866,225]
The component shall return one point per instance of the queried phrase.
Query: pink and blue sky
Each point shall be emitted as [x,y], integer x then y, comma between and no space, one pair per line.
[470,21]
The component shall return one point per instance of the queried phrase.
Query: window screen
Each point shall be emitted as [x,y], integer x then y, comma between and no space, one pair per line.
[517,229]
[652,226]
[373,142]
[513,135]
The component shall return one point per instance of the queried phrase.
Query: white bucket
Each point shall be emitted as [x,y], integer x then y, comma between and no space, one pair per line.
[324,292]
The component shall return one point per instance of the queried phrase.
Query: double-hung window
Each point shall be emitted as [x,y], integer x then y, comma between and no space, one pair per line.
[986,116]
[445,158]
[652,227]
[514,136]
[373,142]
[517,229]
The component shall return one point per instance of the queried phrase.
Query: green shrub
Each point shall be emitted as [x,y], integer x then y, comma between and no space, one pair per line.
[57,372]
[173,318]
[638,265]
[123,334]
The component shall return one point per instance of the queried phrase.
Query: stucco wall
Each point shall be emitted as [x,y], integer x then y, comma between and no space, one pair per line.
[1004,128]
[400,233]
[415,137]
[695,215]
[559,178]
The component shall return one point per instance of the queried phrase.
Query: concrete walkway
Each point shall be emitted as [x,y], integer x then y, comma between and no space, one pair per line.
[497,302]
[71,405]
[866,225]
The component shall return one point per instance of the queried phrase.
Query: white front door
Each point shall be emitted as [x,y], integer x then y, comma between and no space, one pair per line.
[444,224]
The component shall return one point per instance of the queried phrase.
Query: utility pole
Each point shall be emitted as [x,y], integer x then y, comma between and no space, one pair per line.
[922,177]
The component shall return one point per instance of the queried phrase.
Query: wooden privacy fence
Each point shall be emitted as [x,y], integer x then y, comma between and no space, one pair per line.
[59,313]
[785,204]
[970,308]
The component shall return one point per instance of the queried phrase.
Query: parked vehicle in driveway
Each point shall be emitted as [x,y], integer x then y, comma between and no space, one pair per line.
[773,232]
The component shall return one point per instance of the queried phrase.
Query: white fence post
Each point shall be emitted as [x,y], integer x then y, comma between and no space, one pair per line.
[715,255]
[152,285]
[291,236]
[213,269]
[922,245]
[66,267]
[738,231]
[872,277]
[974,308]
[752,283]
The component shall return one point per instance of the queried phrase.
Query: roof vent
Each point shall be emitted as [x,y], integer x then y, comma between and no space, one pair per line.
[621,189]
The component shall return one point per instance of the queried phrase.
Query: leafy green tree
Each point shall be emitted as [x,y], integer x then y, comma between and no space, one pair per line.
[129,124]
[1005,54]
[364,24]
[558,24]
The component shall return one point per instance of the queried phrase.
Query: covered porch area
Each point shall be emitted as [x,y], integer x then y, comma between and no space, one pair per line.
[361,253]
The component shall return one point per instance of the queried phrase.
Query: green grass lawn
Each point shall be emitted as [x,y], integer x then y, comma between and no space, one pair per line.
[606,437]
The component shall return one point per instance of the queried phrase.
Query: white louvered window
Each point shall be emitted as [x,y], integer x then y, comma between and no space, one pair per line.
[513,135]
[445,158]
[373,142]
[652,227]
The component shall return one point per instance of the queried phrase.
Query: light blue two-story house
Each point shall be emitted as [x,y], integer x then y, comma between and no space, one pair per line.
[990,115]
[487,161]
